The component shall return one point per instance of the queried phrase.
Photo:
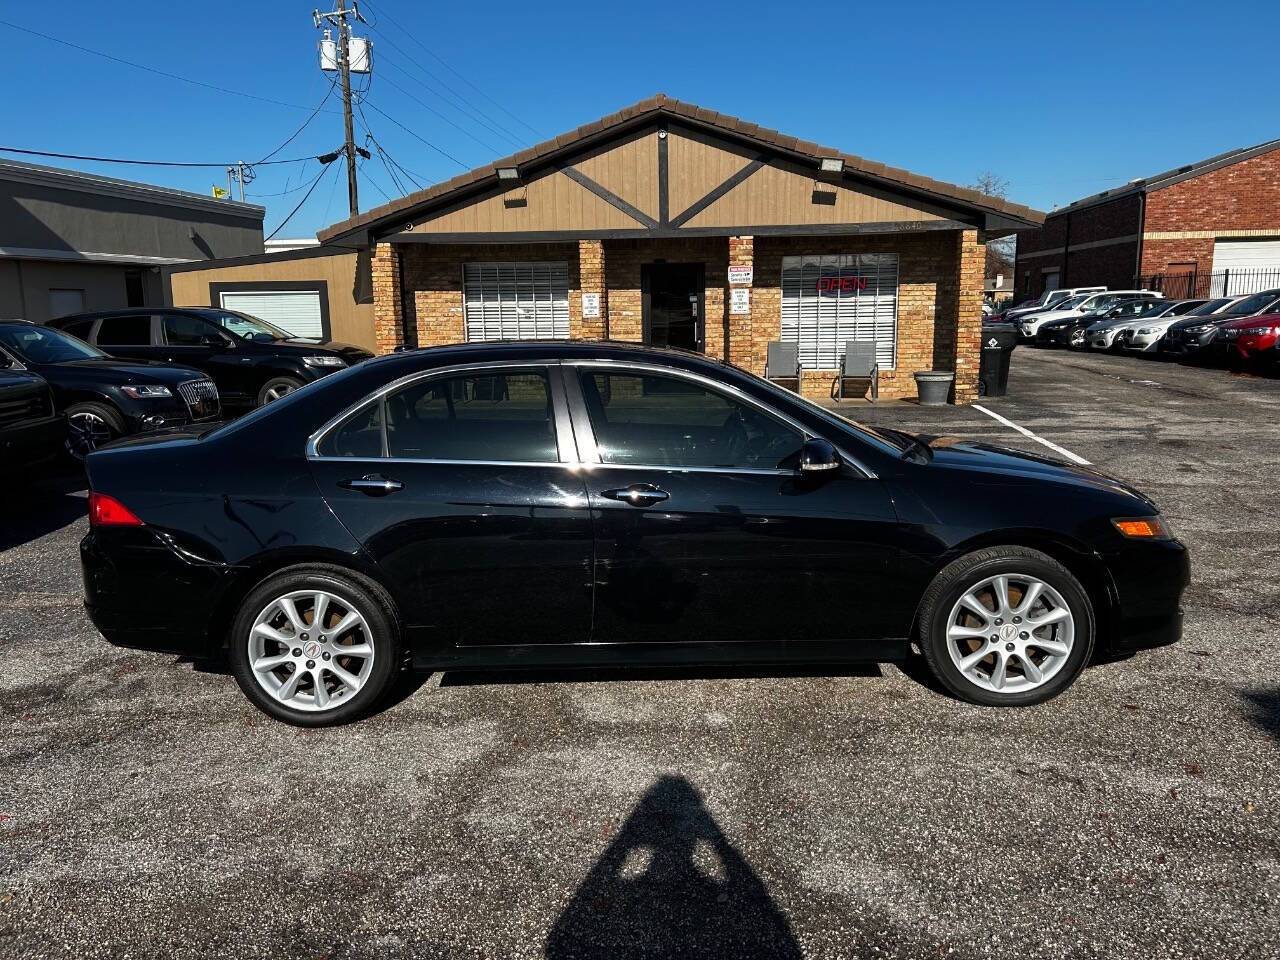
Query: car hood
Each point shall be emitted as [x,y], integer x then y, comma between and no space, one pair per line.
[120,372]
[1048,315]
[1261,320]
[1008,463]
[296,345]
[1213,320]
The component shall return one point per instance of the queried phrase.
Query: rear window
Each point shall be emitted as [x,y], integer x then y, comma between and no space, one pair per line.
[125,331]
[80,328]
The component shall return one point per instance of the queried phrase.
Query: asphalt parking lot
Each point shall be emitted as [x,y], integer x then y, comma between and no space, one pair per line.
[146,809]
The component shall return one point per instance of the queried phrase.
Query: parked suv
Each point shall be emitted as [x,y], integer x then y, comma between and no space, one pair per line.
[251,361]
[105,398]
[32,432]
[1048,300]
[1029,324]
[1196,337]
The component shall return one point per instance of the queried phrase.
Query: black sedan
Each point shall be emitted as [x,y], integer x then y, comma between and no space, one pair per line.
[576,504]
[105,398]
[32,431]
[251,361]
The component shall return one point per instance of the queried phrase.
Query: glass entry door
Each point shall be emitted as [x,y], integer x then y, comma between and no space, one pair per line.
[673,304]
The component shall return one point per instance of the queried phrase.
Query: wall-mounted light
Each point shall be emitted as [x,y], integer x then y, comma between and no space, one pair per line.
[831,165]
[508,173]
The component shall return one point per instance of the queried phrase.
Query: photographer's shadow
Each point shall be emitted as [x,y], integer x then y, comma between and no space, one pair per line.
[671,885]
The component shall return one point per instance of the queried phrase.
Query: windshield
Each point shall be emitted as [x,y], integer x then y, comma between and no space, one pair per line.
[1070,304]
[1213,306]
[1255,303]
[35,344]
[246,327]
[891,441]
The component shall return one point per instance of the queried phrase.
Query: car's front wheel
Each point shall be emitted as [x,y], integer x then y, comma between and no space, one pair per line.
[277,387]
[90,425]
[1006,626]
[315,646]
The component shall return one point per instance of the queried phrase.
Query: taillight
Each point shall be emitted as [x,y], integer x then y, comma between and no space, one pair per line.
[105,511]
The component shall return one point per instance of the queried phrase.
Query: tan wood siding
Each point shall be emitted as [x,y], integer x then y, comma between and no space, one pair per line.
[776,196]
[629,170]
[696,165]
[349,322]
[552,202]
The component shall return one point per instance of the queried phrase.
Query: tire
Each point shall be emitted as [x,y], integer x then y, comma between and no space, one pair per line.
[91,425]
[277,387]
[319,658]
[1070,636]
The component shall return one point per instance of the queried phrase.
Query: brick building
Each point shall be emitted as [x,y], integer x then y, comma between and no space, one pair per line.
[673,225]
[1186,231]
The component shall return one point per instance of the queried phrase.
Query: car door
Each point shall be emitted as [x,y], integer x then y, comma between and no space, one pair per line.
[705,529]
[193,341]
[129,336]
[461,486]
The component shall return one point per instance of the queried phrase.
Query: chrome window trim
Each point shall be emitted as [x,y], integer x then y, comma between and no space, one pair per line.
[570,466]
[714,385]
[547,366]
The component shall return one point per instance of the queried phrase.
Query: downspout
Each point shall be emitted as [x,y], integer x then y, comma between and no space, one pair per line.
[1142,229]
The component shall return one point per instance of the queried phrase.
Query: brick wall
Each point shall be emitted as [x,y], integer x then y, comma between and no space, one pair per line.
[433,275]
[1112,264]
[388,328]
[929,301]
[939,294]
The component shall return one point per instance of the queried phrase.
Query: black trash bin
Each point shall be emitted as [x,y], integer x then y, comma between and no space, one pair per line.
[998,341]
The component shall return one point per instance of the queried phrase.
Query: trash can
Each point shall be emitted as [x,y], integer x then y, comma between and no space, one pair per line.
[934,386]
[998,341]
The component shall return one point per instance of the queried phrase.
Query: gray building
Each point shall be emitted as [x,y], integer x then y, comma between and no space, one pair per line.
[74,241]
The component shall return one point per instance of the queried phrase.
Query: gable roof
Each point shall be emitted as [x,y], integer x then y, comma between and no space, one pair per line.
[1167,179]
[999,212]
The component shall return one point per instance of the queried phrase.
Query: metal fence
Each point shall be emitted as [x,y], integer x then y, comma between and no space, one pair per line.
[1218,283]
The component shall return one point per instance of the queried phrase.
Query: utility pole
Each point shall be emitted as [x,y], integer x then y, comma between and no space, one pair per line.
[339,18]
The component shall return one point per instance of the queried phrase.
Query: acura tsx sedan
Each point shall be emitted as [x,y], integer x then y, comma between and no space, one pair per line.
[578,504]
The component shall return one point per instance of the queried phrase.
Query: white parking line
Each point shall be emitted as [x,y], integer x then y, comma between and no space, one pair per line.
[1038,439]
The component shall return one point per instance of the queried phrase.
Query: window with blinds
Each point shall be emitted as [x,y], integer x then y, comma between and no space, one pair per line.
[828,300]
[516,301]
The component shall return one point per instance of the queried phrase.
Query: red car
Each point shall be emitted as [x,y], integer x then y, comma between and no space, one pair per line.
[1252,338]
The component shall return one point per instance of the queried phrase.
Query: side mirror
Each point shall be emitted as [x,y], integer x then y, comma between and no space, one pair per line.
[818,456]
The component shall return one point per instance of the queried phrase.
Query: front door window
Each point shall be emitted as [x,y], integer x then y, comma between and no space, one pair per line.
[673,305]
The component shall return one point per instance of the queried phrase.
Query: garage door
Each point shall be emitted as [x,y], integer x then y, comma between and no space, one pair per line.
[1245,266]
[295,311]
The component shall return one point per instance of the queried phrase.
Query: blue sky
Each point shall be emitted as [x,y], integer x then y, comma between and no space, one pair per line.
[1061,100]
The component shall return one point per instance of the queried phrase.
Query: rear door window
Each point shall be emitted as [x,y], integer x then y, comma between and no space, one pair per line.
[125,331]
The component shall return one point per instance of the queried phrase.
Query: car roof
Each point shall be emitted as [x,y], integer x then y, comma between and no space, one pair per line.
[585,349]
[127,312]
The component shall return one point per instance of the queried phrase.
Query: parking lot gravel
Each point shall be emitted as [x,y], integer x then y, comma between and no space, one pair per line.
[147,810]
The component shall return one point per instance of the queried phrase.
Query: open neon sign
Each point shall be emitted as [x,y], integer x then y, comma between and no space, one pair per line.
[841,284]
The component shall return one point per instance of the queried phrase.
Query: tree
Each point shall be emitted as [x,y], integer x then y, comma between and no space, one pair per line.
[1001,251]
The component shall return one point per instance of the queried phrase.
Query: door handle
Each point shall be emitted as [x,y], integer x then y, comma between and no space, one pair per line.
[373,484]
[638,494]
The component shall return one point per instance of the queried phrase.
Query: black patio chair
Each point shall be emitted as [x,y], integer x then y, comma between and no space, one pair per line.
[859,363]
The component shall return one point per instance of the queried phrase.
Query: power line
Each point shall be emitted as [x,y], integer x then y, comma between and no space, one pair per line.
[476,114]
[385,156]
[437,58]
[314,113]
[413,133]
[162,73]
[138,163]
[304,199]
[431,109]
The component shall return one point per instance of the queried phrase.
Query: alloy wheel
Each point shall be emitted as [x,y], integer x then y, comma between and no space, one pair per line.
[311,650]
[279,390]
[1010,633]
[88,431]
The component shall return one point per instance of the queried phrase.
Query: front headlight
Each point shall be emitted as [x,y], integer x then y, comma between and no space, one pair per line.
[146,391]
[1201,328]
[1146,331]
[1261,331]
[324,361]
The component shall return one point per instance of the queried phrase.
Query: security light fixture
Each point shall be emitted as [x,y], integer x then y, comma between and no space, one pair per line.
[831,165]
[508,173]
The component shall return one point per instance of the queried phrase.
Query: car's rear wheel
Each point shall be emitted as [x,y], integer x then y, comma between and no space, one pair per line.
[315,646]
[1006,626]
[90,426]
[277,387]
